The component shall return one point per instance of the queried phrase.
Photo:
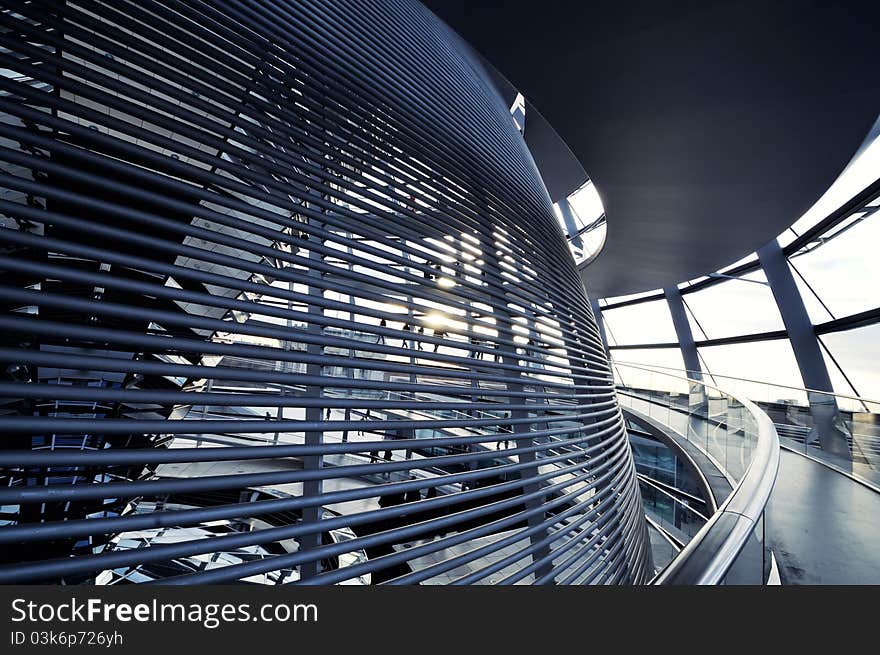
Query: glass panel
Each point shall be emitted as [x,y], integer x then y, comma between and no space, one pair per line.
[584,225]
[767,361]
[858,351]
[586,203]
[646,322]
[724,429]
[735,307]
[637,378]
[661,549]
[844,269]
[818,312]
[751,565]
[673,514]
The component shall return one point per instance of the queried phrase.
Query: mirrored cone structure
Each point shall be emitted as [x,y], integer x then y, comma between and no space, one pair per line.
[285,301]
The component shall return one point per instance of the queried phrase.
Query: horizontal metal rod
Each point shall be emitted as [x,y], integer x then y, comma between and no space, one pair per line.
[167,518]
[48,569]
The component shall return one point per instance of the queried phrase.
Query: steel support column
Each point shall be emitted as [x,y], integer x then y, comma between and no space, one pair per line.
[683,332]
[828,427]
[696,391]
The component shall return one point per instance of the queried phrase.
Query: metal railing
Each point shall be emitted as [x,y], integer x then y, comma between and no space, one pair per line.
[853,419]
[739,439]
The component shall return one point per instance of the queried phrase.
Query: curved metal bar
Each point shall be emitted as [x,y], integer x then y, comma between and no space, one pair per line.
[708,557]
[860,399]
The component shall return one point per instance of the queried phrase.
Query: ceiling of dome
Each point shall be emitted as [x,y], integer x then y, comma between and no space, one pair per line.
[707,127]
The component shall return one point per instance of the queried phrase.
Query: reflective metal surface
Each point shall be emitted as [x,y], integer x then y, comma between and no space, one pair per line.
[739,439]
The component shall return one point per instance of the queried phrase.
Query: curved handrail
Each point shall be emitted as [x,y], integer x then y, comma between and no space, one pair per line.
[708,557]
[653,367]
[859,427]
